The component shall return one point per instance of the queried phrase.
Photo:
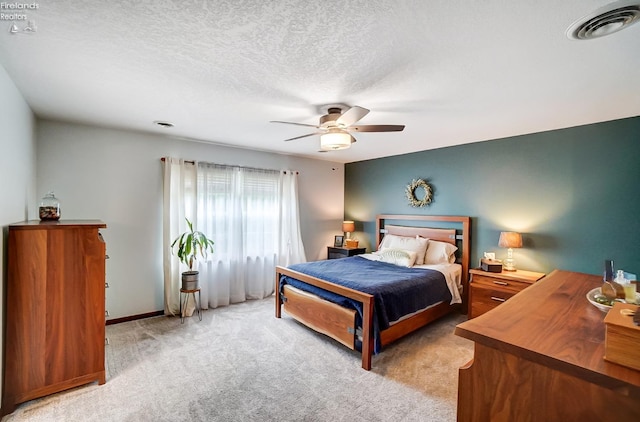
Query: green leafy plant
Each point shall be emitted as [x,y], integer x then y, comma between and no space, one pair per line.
[191,244]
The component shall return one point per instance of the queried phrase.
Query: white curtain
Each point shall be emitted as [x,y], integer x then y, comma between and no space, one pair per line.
[290,247]
[178,203]
[252,216]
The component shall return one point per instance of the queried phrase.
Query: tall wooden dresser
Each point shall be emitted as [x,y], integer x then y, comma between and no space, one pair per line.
[55,309]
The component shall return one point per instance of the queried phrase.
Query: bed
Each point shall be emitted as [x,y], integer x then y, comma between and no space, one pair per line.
[348,310]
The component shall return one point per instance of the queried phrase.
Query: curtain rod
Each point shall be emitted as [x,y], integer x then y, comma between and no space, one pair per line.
[232,166]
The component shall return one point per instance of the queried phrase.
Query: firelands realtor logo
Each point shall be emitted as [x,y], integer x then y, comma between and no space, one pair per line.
[18,15]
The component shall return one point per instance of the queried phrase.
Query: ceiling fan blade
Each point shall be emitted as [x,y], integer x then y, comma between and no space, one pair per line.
[351,116]
[292,123]
[303,136]
[376,128]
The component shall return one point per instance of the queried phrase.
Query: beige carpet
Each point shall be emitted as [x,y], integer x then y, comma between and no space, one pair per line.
[240,363]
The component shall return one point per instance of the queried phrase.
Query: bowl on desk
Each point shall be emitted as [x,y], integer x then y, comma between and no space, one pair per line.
[593,294]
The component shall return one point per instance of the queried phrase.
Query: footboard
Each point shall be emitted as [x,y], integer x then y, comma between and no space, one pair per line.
[324,317]
[333,317]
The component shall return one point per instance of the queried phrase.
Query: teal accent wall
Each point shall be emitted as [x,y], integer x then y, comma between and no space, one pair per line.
[574,194]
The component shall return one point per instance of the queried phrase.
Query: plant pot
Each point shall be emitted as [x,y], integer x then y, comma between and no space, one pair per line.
[190,280]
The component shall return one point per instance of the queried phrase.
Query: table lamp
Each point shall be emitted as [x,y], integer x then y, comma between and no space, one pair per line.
[348,227]
[510,240]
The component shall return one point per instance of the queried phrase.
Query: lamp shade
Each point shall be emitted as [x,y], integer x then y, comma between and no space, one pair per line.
[348,226]
[335,140]
[510,240]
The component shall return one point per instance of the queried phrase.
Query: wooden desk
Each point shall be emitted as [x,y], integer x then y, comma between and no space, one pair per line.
[539,357]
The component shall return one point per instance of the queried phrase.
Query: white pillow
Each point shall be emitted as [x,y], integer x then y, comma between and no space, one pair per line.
[397,257]
[407,243]
[440,253]
[386,241]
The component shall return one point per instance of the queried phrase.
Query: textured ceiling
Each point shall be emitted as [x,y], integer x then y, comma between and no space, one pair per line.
[452,71]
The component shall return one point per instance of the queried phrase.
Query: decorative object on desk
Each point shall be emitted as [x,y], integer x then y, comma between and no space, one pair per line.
[337,241]
[49,207]
[510,240]
[190,245]
[608,270]
[412,195]
[602,302]
[628,288]
[622,336]
[610,287]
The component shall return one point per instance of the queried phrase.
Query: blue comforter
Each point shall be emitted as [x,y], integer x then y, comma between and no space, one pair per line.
[397,291]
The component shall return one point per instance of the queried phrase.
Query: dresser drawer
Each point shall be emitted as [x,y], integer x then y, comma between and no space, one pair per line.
[337,253]
[488,290]
[484,299]
[502,284]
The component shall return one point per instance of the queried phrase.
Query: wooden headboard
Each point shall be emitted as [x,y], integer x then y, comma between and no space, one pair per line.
[443,235]
[452,229]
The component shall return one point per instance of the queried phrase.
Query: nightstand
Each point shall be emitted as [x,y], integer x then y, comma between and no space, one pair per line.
[336,252]
[488,290]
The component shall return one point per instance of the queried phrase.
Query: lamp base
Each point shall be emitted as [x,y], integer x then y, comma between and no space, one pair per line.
[509,263]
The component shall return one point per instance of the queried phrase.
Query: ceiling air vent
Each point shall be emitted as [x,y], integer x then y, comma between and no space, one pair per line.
[606,20]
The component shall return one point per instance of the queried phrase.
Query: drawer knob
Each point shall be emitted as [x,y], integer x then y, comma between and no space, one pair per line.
[498,299]
[501,283]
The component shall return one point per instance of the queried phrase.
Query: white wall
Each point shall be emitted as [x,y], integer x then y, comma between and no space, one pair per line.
[116,176]
[17,170]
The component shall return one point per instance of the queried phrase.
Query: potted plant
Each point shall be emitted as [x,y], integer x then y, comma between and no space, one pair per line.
[189,245]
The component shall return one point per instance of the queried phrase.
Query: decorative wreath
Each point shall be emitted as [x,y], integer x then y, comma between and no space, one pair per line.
[410,191]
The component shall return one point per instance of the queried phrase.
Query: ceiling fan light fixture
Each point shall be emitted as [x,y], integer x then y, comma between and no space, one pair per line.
[335,128]
[335,140]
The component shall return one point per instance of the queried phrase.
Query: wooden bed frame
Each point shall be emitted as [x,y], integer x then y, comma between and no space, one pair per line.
[339,323]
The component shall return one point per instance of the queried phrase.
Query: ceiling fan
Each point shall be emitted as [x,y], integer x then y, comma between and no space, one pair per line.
[335,127]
